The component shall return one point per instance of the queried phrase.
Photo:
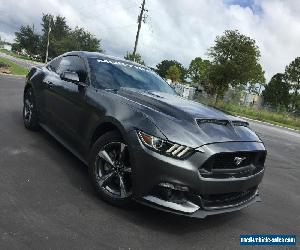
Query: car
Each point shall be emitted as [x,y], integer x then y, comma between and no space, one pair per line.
[140,140]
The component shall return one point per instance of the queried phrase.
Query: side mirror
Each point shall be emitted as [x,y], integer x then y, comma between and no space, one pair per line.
[70,76]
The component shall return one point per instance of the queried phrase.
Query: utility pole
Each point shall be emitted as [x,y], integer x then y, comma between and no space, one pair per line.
[140,19]
[49,30]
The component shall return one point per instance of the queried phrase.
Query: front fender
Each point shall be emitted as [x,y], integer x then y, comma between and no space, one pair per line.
[115,111]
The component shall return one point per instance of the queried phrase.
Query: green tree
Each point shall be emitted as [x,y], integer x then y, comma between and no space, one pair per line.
[28,39]
[297,103]
[198,70]
[235,62]
[79,39]
[292,74]
[63,39]
[16,47]
[59,28]
[174,73]
[135,58]
[59,31]
[164,66]
[276,92]
[259,79]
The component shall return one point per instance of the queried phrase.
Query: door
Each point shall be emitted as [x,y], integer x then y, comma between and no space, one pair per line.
[47,79]
[66,100]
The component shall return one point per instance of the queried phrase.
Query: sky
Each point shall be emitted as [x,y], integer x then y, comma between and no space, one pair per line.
[174,29]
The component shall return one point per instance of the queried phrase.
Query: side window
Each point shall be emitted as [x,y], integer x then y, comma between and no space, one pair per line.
[53,65]
[73,64]
[103,75]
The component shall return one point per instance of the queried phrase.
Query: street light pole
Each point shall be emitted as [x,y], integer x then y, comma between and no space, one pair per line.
[49,30]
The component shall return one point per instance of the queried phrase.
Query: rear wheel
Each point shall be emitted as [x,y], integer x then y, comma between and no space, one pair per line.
[110,169]
[30,115]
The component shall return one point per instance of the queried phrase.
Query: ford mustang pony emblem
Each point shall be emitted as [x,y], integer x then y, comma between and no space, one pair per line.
[239,160]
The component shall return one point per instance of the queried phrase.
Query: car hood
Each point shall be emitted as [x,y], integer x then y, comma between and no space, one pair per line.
[187,122]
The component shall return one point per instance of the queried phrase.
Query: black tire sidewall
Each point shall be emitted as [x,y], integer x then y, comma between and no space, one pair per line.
[33,124]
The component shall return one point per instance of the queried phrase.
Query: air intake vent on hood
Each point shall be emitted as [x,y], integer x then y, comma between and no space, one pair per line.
[240,123]
[221,122]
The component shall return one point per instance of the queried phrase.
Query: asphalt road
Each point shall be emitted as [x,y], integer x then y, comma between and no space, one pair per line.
[47,201]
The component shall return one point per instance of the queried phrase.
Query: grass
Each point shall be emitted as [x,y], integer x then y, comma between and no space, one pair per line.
[11,53]
[14,68]
[276,118]
[282,119]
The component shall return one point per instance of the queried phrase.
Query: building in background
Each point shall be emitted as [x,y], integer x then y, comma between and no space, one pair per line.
[7,46]
[250,99]
[183,90]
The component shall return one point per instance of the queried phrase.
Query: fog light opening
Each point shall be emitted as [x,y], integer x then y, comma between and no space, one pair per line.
[172,196]
[174,186]
[172,192]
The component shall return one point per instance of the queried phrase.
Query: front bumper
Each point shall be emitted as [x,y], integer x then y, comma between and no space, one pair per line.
[201,212]
[206,195]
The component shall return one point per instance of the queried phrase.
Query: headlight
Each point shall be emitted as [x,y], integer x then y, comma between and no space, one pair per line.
[164,147]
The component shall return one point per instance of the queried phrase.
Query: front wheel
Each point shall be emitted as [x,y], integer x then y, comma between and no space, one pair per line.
[110,169]
[30,115]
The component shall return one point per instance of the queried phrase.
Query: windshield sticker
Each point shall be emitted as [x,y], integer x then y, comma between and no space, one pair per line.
[123,64]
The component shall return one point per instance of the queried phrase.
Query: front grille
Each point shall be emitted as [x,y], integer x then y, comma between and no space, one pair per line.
[233,164]
[219,201]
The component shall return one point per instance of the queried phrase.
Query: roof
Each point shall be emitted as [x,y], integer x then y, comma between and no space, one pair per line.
[89,54]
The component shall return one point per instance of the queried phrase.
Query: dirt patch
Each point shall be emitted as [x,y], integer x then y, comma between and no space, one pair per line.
[4,68]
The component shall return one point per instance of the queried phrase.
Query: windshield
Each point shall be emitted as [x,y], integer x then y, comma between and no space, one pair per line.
[113,74]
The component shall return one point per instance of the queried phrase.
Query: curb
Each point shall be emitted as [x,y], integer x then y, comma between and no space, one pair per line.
[271,124]
[3,74]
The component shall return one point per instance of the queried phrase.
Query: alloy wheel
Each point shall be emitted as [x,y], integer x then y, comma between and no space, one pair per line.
[28,106]
[113,171]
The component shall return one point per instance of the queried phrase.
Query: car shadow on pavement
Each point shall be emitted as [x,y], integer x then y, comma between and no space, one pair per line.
[171,223]
[138,214]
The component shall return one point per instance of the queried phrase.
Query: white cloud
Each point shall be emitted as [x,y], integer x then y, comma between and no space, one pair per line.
[175,29]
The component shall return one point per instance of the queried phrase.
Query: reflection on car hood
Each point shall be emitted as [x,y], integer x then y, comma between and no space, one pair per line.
[178,119]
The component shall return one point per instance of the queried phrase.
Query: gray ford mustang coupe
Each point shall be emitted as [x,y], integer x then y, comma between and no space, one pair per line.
[140,140]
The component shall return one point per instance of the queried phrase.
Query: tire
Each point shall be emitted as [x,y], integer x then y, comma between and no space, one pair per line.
[30,114]
[110,169]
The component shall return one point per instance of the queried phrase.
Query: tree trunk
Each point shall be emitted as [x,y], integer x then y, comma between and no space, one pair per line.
[217,99]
